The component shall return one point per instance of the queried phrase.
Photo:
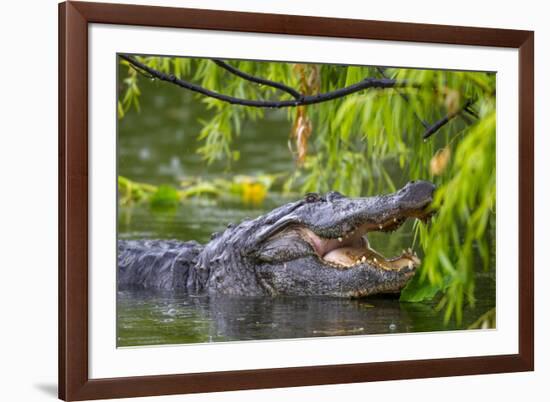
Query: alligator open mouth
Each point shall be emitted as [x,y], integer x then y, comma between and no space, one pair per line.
[352,249]
[334,229]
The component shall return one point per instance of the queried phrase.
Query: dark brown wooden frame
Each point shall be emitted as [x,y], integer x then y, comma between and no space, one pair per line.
[74,17]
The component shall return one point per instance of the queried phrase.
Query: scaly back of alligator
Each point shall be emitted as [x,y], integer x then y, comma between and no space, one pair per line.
[159,264]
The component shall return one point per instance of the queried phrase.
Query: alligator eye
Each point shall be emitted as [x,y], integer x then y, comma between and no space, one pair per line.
[312,197]
[333,195]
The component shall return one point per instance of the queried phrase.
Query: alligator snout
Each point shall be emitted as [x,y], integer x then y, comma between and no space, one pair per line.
[416,194]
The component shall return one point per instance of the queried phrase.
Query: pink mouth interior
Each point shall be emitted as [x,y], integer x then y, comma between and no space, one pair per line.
[324,246]
[353,249]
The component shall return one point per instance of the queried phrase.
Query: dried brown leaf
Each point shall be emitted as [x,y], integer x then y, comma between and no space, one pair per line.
[439,161]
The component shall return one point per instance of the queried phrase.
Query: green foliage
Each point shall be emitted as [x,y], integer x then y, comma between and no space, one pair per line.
[357,143]
[457,239]
[486,321]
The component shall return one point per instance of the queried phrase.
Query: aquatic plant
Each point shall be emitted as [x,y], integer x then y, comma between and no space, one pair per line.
[249,190]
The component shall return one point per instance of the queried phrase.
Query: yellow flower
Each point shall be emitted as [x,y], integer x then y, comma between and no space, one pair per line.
[253,193]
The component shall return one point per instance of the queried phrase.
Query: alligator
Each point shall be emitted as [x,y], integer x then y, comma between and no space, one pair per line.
[316,246]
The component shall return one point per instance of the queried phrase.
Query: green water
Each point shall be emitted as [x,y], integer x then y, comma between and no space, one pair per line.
[158,146]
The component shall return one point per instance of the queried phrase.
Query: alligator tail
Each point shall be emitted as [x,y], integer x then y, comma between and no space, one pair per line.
[159,264]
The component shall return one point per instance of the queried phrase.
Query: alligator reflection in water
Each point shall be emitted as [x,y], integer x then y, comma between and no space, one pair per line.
[147,318]
[157,317]
[306,316]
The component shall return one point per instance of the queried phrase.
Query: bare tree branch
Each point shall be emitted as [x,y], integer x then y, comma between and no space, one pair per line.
[295,94]
[367,83]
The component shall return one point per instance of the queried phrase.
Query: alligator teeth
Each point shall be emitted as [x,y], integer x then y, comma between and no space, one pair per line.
[340,239]
[410,264]
[409,250]
[395,220]
[380,226]
[375,260]
[363,259]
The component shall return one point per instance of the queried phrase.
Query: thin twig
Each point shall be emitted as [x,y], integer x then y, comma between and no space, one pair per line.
[304,100]
[434,128]
[295,94]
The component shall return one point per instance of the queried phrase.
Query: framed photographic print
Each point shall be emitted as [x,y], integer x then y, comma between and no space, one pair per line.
[260,200]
